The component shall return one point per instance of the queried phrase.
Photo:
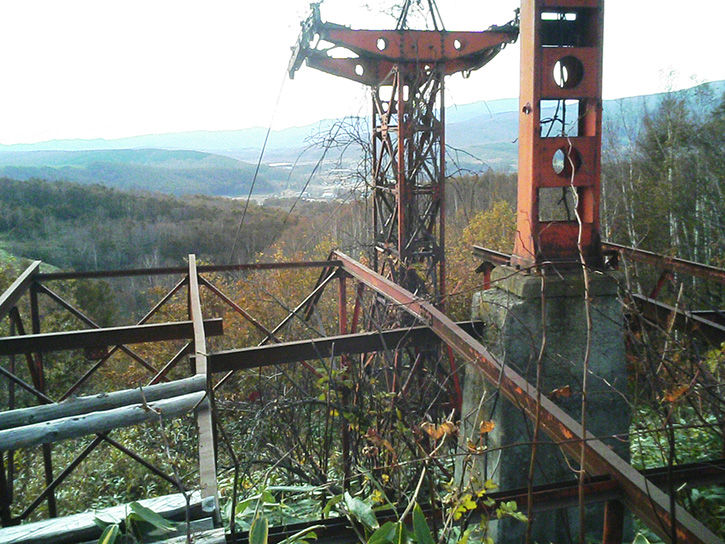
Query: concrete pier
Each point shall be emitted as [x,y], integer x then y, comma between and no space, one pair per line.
[515,329]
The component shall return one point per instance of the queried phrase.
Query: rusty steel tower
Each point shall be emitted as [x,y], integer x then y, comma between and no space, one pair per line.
[560,152]
[405,70]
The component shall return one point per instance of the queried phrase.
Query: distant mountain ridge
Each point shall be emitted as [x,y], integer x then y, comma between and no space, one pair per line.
[480,135]
[174,172]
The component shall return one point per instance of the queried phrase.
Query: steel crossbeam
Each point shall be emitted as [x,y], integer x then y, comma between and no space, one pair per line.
[345,344]
[668,263]
[90,338]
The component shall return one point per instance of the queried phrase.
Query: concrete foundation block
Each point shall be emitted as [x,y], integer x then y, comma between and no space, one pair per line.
[514,329]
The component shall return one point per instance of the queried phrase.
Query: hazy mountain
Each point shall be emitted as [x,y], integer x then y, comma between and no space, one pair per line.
[165,171]
[480,135]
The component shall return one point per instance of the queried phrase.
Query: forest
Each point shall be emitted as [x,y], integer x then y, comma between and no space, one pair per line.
[78,227]
[662,191]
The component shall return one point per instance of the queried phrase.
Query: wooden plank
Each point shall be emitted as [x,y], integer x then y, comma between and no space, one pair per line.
[93,338]
[80,527]
[16,290]
[96,422]
[207,450]
[97,403]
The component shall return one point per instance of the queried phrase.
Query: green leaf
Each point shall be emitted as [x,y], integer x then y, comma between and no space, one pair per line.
[361,511]
[152,518]
[102,524]
[385,534]
[259,531]
[291,488]
[109,535]
[401,533]
[268,498]
[420,527]
[244,505]
[464,538]
[330,505]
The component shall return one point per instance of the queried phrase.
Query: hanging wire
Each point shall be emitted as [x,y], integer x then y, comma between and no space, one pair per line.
[256,171]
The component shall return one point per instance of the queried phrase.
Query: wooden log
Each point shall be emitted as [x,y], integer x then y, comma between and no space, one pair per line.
[96,403]
[96,422]
[81,527]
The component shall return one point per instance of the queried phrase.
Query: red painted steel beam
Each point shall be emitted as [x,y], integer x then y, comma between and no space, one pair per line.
[668,263]
[375,72]
[645,500]
[377,51]
[422,45]
[491,256]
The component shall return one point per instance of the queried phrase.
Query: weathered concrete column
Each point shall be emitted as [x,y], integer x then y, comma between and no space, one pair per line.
[515,329]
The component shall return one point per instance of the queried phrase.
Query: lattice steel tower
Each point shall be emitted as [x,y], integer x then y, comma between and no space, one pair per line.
[405,70]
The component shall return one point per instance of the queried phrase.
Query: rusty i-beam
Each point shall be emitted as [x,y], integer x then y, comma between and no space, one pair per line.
[641,496]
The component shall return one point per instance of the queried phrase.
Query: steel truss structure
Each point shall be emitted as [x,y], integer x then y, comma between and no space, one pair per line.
[611,477]
[405,69]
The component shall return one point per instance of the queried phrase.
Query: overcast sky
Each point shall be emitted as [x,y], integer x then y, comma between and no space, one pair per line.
[112,68]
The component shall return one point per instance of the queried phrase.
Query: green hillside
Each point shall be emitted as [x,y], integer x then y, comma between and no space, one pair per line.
[167,171]
[78,227]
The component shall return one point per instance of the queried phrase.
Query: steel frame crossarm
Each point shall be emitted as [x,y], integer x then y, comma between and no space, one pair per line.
[668,263]
[644,499]
[345,344]
[377,51]
[102,337]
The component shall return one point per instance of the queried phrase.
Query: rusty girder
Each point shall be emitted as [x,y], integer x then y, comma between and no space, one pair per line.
[643,498]
[405,69]
[376,52]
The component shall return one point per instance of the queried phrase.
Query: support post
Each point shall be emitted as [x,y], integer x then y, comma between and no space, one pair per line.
[520,319]
[40,386]
[560,131]
[207,446]
[342,307]
[613,523]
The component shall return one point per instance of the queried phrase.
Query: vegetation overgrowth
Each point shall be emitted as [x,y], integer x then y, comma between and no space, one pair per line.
[287,423]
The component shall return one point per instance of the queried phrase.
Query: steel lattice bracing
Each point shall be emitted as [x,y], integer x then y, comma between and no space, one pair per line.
[408,179]
[405,70]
